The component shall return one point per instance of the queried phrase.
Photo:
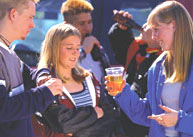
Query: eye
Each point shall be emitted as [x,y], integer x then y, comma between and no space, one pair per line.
[90,22]
[78,49]
[68,48]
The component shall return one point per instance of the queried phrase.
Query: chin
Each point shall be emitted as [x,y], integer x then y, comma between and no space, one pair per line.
[23,38]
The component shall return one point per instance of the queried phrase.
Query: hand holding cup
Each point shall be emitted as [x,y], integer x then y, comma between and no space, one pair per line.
[114,80]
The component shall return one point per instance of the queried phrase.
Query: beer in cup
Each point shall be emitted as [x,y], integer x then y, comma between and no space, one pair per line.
[115,76]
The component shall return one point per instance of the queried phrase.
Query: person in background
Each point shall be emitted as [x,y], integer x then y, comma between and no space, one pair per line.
[137,55]
[83,110]
[167,108]
[18,100]
[93,56]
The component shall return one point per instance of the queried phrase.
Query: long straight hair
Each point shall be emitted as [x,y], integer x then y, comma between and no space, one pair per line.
[181,55]
[49,56]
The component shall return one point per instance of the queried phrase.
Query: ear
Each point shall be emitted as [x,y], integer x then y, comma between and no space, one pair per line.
[12,14]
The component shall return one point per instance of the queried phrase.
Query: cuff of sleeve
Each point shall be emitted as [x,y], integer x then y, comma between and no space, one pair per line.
[119,94]
[43,71]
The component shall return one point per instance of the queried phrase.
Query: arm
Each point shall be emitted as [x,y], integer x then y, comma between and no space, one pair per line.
[28,101]
[31,75]
[120,41]
[23,105]
[184,123]
[137,109]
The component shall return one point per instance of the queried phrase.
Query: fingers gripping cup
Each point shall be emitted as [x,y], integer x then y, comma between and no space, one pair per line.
[115,77]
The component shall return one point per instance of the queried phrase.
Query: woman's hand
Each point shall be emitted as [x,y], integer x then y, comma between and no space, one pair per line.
[99,112]
[167,119]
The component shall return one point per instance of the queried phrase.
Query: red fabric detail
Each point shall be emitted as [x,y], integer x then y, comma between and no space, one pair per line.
[132,50]
[67,103]
[139,60]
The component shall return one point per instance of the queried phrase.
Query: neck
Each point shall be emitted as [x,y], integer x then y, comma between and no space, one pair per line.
[66,74]
[6,31]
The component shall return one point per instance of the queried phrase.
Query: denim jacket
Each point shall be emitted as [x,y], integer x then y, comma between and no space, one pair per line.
[138,109]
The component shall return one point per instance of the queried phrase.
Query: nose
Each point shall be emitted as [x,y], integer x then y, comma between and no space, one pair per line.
[88,28]
[32,25]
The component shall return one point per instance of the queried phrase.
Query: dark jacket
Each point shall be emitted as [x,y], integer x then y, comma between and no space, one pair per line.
[135,55]
[18,103]
[62,117]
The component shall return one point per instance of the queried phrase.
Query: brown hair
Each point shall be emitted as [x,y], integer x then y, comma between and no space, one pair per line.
[70,8]
[181,57]
[50,50]
[6,5]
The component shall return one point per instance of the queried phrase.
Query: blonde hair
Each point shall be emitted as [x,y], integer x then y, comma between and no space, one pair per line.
[50,50]
[70,8]
[181,57]
[6,5]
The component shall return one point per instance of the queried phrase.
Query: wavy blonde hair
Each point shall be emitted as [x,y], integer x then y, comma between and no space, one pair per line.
[49,56]
[181,57]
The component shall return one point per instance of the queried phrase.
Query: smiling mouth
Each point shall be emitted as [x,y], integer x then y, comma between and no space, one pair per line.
[73,59]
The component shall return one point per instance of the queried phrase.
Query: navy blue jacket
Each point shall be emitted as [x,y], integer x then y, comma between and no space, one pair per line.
[16,111]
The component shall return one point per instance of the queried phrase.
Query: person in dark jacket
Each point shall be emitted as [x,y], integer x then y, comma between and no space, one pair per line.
[137,55]
[18,97]
[83,110]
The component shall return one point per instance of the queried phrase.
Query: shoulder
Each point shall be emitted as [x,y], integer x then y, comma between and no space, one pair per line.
[94,79]
[158,61]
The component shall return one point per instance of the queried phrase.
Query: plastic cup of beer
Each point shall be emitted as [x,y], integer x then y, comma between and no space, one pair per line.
[115,76]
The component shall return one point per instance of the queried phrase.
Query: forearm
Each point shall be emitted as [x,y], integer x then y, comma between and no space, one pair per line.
[135,108]
[23,105]
[120,41]
[185,122]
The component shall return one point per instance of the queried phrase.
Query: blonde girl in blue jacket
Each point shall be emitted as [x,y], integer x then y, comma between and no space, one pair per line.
[168,106]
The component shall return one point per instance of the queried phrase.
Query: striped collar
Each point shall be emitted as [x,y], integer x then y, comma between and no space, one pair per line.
[4,46]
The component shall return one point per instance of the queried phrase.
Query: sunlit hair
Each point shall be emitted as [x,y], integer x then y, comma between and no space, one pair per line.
[49,56]
[181,57]
[6,5]
[70,8]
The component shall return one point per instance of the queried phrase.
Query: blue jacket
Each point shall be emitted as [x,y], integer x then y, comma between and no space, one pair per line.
[138,109]
[16,111]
